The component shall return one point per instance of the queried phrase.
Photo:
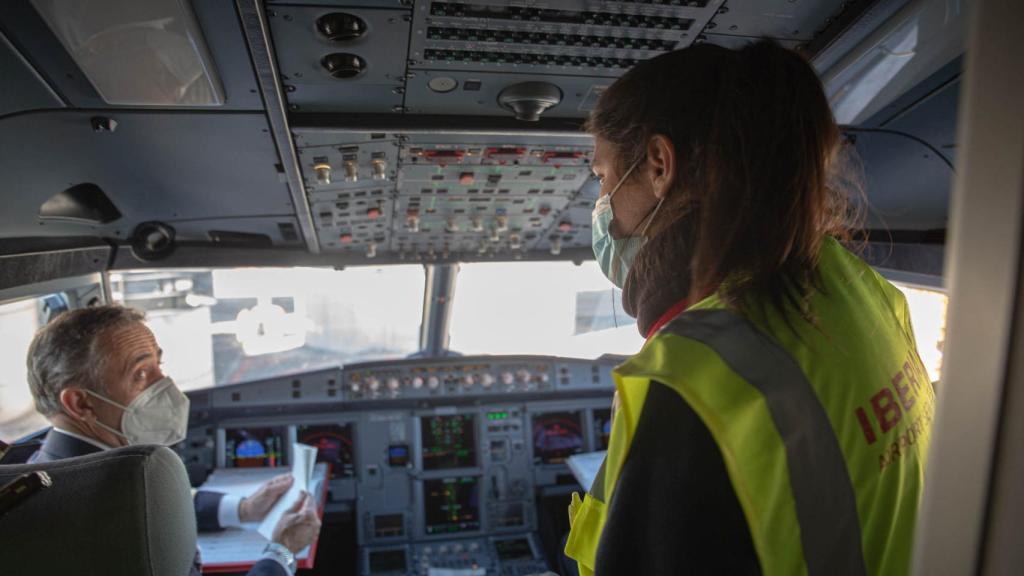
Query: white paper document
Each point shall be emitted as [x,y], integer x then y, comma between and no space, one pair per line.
[303,461]
[586,466]
[245,545]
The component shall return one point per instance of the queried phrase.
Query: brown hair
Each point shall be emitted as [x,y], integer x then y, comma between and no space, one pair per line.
[755,141]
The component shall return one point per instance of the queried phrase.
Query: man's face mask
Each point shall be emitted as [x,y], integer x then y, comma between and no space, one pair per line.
[157,416]
[616,255]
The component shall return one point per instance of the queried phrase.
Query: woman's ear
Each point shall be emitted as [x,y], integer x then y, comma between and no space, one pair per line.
[661,164]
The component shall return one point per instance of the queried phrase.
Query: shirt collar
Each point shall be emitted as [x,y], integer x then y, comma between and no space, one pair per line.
[86,439]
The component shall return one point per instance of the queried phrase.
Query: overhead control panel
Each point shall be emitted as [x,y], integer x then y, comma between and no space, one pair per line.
[426,198]
[468,57]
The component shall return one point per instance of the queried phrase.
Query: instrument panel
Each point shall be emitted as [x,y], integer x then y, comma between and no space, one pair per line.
[441,462]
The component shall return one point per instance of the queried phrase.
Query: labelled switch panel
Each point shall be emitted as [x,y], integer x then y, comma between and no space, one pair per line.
[581,38]
[572,228]
[350,165]
[427,198]
[354,220]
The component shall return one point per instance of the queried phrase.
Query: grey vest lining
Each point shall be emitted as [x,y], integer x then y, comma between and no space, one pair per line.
[826,506]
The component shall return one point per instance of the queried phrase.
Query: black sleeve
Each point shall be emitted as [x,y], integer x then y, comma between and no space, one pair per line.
[207,504]
[264,567]
[674,510]
[267,568]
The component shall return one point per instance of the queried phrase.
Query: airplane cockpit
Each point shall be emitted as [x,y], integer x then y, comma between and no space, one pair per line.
[364,228]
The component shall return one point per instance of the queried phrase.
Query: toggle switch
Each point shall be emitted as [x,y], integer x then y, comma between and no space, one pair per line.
[371,250]
[501,223]
[323,173]
[351,171]
[412,223]
[556,246]
[379,169]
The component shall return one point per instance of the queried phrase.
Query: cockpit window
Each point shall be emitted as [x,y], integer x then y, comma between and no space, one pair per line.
[226,326]
[551,308]
[19,321]
[928,316]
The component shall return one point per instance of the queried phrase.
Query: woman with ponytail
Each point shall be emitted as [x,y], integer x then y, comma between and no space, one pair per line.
[777,419]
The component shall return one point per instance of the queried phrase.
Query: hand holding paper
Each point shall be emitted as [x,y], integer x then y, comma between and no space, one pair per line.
[298,526]
[256,506]
[303,461]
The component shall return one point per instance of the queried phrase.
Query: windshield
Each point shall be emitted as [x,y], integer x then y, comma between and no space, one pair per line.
[220,327]
[560,309]
[549,308]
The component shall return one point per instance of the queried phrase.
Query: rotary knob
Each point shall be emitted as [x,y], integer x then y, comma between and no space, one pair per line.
[469,380]
[507,378]
[394,383]
[417,382]
[433,382]
[487,380]
[373,383]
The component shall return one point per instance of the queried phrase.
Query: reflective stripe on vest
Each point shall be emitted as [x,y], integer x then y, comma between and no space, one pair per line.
[826,507]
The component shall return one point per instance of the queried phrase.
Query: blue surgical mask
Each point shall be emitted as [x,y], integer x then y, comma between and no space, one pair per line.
[616,255]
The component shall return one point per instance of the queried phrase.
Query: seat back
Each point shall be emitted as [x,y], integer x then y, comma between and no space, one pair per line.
[125,511]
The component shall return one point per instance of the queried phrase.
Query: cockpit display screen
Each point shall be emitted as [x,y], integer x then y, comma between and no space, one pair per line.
[254,447]
[387,562]
[451,505]
[556,436]
[334,445]
[513,549]
[448,441]
[602,428]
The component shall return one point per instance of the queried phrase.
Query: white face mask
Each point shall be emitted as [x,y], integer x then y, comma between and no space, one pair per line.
[157,416]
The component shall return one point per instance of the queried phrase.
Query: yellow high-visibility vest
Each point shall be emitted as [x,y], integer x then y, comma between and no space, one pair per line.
[823,428]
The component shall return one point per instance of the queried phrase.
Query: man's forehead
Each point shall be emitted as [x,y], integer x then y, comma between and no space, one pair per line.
[132,338]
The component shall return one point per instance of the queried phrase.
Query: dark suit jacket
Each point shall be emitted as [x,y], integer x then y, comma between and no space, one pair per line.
[58,446]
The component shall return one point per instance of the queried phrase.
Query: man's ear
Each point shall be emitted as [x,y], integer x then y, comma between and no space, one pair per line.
[662,164]
[77,403]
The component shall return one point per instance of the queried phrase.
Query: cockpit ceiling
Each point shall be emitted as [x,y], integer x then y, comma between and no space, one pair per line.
[404,150]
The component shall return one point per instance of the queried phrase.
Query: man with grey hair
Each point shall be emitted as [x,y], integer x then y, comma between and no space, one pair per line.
[95,374]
